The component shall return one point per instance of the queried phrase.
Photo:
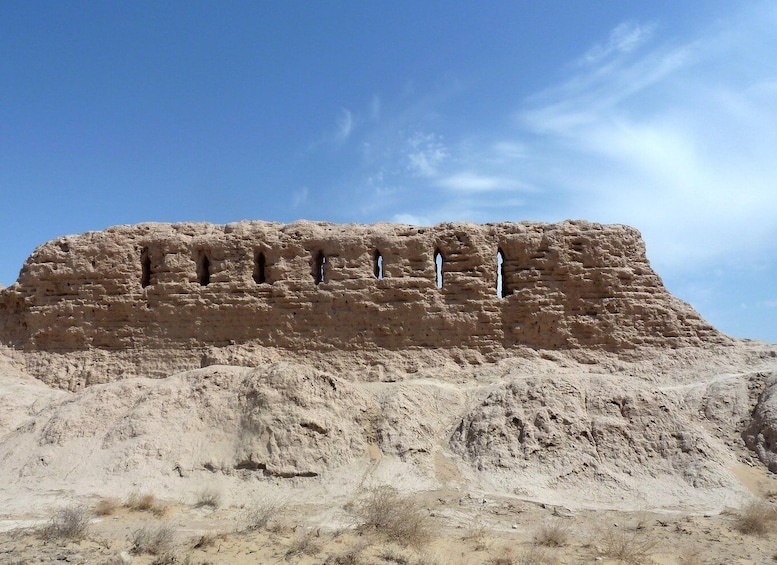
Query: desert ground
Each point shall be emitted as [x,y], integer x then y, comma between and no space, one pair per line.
[544,457]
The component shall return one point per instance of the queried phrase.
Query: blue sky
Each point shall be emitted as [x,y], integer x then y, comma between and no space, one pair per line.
[661,115]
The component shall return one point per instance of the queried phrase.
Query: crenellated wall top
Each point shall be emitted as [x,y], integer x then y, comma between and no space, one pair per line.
[317,285]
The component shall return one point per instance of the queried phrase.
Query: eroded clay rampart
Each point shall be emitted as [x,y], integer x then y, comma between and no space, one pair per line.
[320,286]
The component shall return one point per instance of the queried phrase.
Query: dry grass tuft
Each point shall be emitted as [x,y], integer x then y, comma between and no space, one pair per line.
[395,555]
[71,522]
[478,535]
[756,518]
[208,497]
[106,506]
[146,502]
[351,556]
[169,558]
[305,542]
[208,539]
[140,502]
[536,555]
[505,556]
[552,535]
[396,518]
[628,546]
[259,514]
[156,540]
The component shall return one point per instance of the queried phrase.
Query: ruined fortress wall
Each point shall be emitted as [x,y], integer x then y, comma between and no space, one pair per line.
[319,286]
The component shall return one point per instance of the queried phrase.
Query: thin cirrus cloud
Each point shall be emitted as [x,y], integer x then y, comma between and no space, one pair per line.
[425,154]
[345,125]
[299,197]
[675,137]
[676,140]
[411,219]
[626,37]
[474,183]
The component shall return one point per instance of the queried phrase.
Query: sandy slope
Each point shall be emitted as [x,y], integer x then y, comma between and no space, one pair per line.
[593,439]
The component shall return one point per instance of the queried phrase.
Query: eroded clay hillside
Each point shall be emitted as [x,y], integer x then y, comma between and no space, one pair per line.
[542,427]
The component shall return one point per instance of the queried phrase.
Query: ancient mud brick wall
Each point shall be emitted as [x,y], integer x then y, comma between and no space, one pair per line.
[319,286]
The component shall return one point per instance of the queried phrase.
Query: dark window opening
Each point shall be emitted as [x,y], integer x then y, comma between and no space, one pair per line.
[378,265]
[259,264]
[501,281]
[203,269]
[145,268]
[438,264]
[319,268]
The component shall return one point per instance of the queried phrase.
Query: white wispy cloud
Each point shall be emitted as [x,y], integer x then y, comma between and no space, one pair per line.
[472,182]
[678,141]
[674,137]
[299,197]
[508,151]
[625,38]
[412,219]
[375,108]
[425,154]
[345,124]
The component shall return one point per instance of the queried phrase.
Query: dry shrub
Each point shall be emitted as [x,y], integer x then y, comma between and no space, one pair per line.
[71,522]
[505,556]
[395,555]
[156,540]
[352,556]
[756,518]
[106,506]
[552,535]
[208,539]
[304,543]
[146,502]
[626,546]
[170,558]
[478,535]
[534,555]
[208,497]
[258,515]
[397,518]
[140,502]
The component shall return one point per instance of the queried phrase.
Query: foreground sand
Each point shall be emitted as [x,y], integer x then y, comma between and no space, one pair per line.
[464,528]
[547,458]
